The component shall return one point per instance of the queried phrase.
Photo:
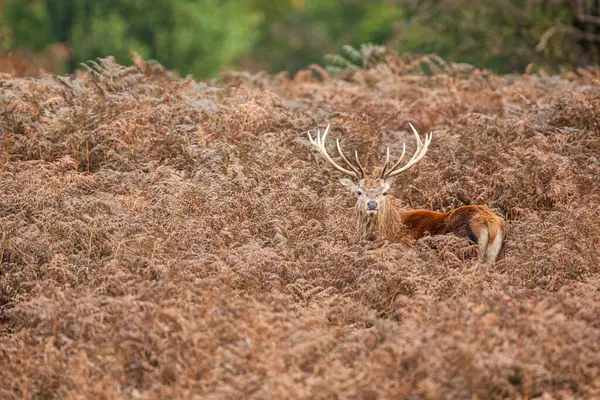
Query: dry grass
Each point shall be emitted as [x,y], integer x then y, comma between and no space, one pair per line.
[162,238]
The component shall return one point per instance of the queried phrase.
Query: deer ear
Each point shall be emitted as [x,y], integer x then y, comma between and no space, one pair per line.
[349,184]
[389,182]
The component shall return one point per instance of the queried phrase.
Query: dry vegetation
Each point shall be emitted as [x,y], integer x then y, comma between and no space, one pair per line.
[161,238]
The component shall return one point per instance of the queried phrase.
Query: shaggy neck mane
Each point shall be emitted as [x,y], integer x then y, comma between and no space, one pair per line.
[391,224]
[387,222]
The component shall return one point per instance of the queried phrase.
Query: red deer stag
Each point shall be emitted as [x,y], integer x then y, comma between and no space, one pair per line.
[377,213]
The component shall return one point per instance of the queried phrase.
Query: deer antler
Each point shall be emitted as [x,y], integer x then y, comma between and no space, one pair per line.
[419,154]
[319,144]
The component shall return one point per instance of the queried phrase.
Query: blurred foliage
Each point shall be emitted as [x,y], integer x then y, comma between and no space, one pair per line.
[203,37]
[191,36]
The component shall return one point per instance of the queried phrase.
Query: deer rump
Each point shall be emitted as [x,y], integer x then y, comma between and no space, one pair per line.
[376,212]
[477,223]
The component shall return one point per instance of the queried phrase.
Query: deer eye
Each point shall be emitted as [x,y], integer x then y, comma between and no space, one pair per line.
[384,193]
[359,192]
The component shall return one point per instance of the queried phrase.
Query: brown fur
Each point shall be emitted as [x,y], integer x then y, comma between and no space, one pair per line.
[475,222]
[461,221]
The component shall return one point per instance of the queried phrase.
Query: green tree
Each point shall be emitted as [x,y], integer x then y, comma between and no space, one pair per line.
[501,35]
[295,33]
[199,37]
[205,36]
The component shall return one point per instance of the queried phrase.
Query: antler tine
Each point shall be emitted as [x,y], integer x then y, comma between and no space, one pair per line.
[319,144]
[362,170]
[419,146]
[419,142]
[419,153]
[397,162]
[348,163]
[385,165]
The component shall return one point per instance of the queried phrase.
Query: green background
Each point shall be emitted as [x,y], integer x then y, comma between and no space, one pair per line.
[204,37]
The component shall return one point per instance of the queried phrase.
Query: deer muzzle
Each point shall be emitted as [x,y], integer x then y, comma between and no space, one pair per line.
[372,205]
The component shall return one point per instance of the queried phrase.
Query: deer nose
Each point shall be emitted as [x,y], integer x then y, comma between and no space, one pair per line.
[371,205]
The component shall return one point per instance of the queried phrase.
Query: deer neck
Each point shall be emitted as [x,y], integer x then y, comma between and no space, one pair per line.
[387,222]
[368,225]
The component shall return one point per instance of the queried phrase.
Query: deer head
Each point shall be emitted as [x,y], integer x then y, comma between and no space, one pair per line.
[371,191]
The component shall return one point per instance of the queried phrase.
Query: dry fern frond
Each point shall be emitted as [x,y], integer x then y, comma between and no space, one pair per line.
[112,77]
[161,237]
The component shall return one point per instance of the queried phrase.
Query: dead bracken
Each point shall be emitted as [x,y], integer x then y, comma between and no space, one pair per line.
[378,215]
[162,238]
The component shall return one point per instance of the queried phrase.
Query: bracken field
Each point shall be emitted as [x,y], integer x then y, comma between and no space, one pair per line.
[166,238]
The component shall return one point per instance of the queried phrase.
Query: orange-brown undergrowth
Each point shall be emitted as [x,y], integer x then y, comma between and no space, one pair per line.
[162,238]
